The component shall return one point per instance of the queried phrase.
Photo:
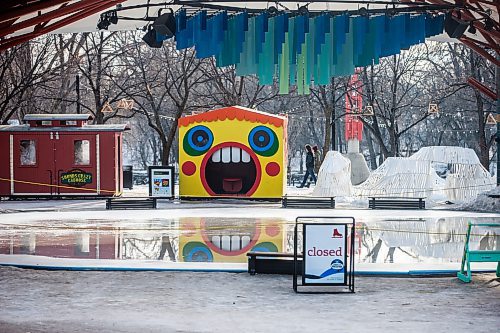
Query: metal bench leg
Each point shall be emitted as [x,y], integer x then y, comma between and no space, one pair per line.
[251,265]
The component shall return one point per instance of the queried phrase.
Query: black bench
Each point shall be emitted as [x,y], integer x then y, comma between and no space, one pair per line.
[131,203]
[396,203]
[272,263]
[311,202]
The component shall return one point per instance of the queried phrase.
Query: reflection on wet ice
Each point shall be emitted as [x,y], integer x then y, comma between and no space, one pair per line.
[222,239]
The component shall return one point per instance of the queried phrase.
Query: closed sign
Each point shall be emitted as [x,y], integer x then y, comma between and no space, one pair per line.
[325,256]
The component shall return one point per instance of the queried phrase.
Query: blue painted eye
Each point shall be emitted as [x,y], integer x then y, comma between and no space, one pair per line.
[263,141]
[198,140]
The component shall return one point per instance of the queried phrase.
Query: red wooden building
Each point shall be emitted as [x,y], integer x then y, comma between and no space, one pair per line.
[60,155]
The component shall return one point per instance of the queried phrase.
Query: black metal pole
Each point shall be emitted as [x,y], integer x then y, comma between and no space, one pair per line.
[497,74]
[333,115]
[77,84]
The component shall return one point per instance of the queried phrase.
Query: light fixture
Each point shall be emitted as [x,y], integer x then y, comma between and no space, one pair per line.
[303,10]
[165,24]
[272,10]
[363,11]
[103,23]
[454,26]
[472,28]
[488,24]
[113,18]
[150,38]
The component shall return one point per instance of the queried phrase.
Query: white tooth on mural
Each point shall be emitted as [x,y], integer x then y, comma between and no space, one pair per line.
[216,156]
[245,157]
[216,241]
[235,154]
[245,240]
[226,243]
[235,243]
[226,154]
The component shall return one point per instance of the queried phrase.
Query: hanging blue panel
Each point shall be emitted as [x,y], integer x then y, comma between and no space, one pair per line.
[360,28]
[261,27]
[299,49]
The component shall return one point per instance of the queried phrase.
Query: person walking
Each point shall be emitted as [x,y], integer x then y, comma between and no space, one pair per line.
[317,159]
[309,167]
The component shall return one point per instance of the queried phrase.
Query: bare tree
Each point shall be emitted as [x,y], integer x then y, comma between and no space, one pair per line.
[162,82]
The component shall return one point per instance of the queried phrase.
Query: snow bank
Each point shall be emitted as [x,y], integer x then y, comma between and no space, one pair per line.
[484,202]
[334,177]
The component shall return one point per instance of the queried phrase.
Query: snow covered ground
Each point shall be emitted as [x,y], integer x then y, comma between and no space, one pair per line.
[187,301]
[76,302]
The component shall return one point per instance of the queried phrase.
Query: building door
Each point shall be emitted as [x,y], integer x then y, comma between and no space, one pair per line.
[76,163]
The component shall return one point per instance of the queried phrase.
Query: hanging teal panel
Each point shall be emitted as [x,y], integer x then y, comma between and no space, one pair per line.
[266,57]
[345,64]
[248,63]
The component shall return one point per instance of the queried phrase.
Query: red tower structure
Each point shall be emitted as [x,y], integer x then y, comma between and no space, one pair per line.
[353,105]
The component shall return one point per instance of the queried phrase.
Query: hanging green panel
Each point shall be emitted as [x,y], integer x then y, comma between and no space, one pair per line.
[309,55]
[300,70]
[323,66]
[292,48]
[284,68]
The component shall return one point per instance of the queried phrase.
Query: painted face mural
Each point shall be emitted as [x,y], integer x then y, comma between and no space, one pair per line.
[225,240]
[232,151]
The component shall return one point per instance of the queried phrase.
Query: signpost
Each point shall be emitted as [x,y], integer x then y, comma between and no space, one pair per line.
[161,181]
[328,253]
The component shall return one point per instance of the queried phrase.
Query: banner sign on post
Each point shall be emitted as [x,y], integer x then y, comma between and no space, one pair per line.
[325,255]
[161,181]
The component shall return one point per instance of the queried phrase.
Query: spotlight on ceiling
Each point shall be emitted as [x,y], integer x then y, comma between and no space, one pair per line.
[103,23]
[151,39]
[272,10]
[454,27]
[472,28]
[392,12]
[363,11]
[303,10]
[113,18]
[488,24]
[165,24]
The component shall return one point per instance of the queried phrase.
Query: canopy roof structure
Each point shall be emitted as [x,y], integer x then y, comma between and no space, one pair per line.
[23,20]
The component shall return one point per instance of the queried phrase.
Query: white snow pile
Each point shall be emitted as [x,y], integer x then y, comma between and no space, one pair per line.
[334,177]
[398,177]
[485,202]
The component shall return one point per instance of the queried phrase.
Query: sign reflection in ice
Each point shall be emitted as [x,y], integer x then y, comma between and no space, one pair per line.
[222,239]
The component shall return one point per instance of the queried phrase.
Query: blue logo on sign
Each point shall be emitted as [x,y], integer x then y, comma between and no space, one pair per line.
[337,264]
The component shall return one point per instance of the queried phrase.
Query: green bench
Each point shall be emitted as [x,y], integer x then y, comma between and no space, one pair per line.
[469,256]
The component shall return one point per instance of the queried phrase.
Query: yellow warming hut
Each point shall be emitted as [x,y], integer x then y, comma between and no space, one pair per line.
[233,151]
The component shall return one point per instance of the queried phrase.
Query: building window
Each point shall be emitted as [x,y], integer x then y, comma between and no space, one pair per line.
[71,122]
[28,152]
[46,122]
[82,152]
